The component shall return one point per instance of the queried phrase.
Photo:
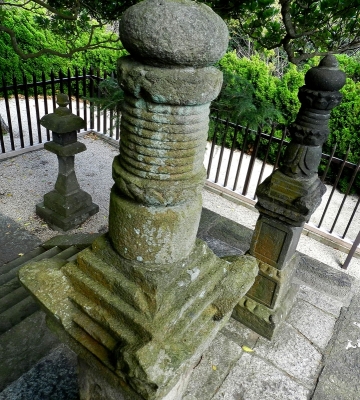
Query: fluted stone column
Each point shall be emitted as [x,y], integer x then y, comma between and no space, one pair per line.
[287,199]
[144,302]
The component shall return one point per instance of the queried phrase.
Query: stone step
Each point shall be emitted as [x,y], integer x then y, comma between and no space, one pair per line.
[15,314]
[12,298]
[21,260]
[22,346]
[24,336]
[4,278]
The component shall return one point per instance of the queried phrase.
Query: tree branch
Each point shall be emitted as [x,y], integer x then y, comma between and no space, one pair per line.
[70,53]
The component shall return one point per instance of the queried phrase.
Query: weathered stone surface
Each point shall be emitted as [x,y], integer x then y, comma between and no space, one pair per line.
[175,32]
[287,199]
[53,377]
[153,234]
[342,362]
[126,329]
[62,120]
[292,353]
[274,385]
[22,346]
[312,323]
[142,305]
[67,206]
[176,86]
[79,240]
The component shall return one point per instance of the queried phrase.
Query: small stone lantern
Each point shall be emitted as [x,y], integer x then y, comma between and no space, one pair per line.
[67,206]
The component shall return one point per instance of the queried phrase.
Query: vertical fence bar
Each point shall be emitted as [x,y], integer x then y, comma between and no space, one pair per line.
[69,88]
[246,133]
[45,101]
[77,92]
[266,156]
[334,187]
[98,121]
[53,90]
[346,194]
[18,112]
[61,79]
[233,147]
[91,96]
[28,114]
[352,251]
[36,99]
[8,114]
[328,164]
[351,218]
[104,113]
[279,149]
[84,96]
[252,162]
[213,143]
[2,144]
[223,142]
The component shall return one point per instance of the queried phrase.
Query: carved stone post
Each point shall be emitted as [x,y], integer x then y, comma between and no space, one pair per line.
[67,206]
[145,301]
[287,199]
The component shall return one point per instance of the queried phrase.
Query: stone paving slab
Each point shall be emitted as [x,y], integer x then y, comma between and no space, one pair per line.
[312,322]
[340,379]
[243,382]
[52,378]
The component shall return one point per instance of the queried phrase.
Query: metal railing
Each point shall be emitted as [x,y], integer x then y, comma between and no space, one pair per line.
[237,159]
[23,104]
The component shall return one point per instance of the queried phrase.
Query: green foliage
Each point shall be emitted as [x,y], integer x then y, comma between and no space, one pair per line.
[303,28]
[31,38]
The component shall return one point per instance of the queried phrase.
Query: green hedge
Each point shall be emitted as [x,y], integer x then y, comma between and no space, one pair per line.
[32,38]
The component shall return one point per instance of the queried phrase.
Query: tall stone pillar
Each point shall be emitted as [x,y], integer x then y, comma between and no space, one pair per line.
[144,302]
[287,199]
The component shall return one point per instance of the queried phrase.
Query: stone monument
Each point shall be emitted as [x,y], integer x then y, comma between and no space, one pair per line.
[287,199]
[67,206]
[142,304]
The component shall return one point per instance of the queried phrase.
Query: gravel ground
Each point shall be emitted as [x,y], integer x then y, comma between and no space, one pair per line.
[24,180]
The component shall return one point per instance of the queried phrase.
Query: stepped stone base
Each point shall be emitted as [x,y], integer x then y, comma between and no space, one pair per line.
[58,222]
[144,327]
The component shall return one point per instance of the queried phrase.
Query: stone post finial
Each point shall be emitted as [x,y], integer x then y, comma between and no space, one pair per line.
[287,199]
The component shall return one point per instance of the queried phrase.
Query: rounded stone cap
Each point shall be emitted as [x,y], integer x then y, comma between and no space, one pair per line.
[326,76]
[174,32]
[62,120]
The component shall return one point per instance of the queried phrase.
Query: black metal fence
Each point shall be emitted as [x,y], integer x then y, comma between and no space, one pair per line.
[236,162]
[239,159]
[22,104]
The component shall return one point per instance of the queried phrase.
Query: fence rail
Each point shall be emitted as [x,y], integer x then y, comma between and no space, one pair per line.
[239,167]
[236,163]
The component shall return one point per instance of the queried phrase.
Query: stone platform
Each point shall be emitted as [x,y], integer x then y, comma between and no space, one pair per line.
[314,355]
